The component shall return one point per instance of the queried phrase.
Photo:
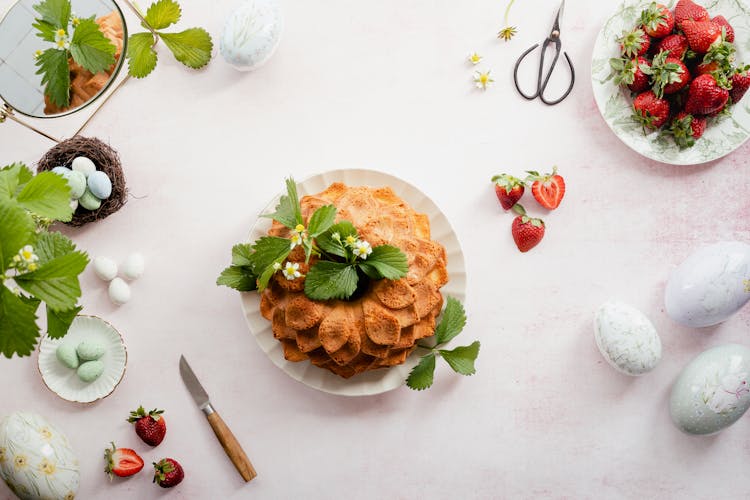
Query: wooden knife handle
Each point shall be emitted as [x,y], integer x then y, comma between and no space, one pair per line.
[232,447]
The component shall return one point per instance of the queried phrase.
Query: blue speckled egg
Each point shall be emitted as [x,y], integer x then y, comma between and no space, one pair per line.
[62,171]
[100,185]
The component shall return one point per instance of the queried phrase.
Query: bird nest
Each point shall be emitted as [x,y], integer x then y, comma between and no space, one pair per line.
[105,158]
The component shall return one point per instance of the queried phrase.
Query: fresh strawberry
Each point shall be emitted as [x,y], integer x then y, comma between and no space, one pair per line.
[686,129]
[740,84]
[668,74]
[527,232]
[675,44]
[168,473]
[706,68]
[701,35]
[633,73]
[688,10]
[722,21]
[719,58]
[508,189]
[634,43]
[150,427]
[548,189]
[650,111]
[705,96]
[657,20]
[122,462]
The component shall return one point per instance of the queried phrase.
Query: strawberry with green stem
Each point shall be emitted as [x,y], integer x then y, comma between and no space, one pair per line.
[527,232]
[657,20]
[634,43]
[668,74]
[650,111]
[122,462]
[150,426]
[168,473]
[508,189]
[548,189]
[633,73]
[740,84]
[686,128]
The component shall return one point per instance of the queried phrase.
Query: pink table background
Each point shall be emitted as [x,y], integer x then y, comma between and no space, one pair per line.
[384,85]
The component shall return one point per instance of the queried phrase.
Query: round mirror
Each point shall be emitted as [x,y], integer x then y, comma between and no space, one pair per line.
[57,56]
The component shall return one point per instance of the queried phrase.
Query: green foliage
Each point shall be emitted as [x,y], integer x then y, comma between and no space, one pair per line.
[53,66]
[90,48]
[56,13]
[288,211]
[387,262]
[27,205]
[192,47]
[331,280]
[461,359]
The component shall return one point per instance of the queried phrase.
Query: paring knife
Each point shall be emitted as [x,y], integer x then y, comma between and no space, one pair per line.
[230,444]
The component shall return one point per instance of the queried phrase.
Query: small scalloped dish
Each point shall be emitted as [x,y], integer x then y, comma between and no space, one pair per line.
[65,382]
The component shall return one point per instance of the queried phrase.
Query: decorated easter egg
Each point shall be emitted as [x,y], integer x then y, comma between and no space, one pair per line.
[66,354]
[36,460]
[99,184]
[626,338]
[83,165]
[119,291]
[710,286]
[105,268]
[77,183]
[89,201]
[133,266]
[89,350]
[712,391]
[251,34]
[90,370]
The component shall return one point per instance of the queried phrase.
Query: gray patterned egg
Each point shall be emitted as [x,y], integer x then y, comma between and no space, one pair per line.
[626,338]
[710,286]
[712,391]
[251,34]
[36,460]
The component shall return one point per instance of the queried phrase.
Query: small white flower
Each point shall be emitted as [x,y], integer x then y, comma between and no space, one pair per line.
[28,255]
[362,249]
[336,236]
[75,20]
[482,79]
[474,58]
[296,240]
[351,240]
[277,266]
[291,270]
[61,39]
[37,54]
[298,235]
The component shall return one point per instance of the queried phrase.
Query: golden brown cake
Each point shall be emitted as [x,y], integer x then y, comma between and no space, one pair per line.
[380,327]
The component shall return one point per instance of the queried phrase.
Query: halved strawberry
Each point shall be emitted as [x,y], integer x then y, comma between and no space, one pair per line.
[657,20]
[548,189]
[688,10]
[633,73]
[686,129]
[650,111]
[701,35]
[508,189]
[527,232]
[634,43]
[122,462]
[722,21]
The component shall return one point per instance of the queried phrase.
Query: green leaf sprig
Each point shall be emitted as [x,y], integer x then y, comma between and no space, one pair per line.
[35,265]
[460,359]
[192,47]
[342,257]
[73,37]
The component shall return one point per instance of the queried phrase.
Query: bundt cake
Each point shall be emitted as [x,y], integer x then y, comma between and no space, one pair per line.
[379,326]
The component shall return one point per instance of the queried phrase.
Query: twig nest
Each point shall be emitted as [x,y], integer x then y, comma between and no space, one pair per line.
[73,153]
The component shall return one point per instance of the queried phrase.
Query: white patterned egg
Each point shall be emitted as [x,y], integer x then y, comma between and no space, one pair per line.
[36,460]
[251,34]
[712,391]
[626,338]
[710,285]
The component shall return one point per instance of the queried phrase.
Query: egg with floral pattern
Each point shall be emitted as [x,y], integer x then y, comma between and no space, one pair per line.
[626,338]
[251,34]
[36,459]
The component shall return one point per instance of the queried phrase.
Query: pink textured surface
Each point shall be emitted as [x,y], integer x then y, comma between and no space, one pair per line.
[385,85]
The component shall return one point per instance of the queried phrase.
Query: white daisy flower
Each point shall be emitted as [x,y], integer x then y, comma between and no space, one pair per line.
[351,240]
[474,58]
[482,79]
[291,270]
[362,249]
[28,255]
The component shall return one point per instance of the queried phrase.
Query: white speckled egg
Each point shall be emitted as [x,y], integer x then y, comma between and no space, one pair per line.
[251,34]
[77,183]
[133,266]
[712,391]
[63,172]
[36,460]
[710,286]
[626,338]
[119,291]
[99,185]
[83,165]
[105,268]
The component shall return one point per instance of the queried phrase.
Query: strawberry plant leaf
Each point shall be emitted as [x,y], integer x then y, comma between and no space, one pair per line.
[58,322]
[141,55]
[422,375]
[54,12]
[49,246]
[242,255]
[56,281]
[18,329]
[163,14]
[191,47]
[332,246]
[45,30]
[321,220]
[331,280]
[240,278]
[461,359]
[16,230]
[388,261]
[267,250]
[288,211]
[91,48]
[53,66]
[452,321]
[13,177]
[47,195]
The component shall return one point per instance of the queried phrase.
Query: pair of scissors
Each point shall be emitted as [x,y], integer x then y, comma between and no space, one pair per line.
[542,81]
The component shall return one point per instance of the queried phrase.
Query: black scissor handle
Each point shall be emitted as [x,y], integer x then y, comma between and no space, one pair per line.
[515,75]
[570,87]
[542,79]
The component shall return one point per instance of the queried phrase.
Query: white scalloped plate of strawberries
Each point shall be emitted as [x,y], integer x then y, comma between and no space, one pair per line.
[669,79]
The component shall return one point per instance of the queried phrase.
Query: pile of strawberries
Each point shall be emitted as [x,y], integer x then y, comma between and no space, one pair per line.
[681,69]
[548,191]
[151,427]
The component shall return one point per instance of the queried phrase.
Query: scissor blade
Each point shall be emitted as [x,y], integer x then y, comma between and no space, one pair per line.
[556,26]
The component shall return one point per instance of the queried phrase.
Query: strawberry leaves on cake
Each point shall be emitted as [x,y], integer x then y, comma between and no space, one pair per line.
[288,211]
[460,359]
[331,280]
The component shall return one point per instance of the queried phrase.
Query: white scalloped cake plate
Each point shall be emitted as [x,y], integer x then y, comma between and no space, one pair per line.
[723,135]
[375,381]
[65,382]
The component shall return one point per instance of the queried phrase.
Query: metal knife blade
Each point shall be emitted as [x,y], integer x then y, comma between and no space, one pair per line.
[199,394]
